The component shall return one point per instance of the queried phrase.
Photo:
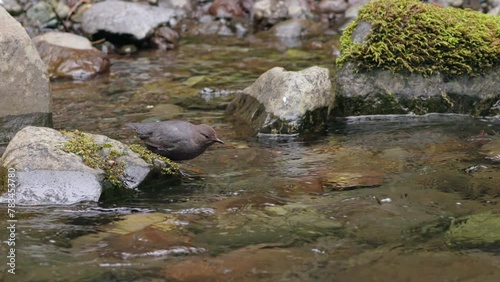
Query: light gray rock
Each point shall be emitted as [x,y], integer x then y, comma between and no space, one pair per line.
[332,6]
[285,102]
[180,8]
[273,11]
[125,19]
[47,175]
[11,6]
[41,13]
[296,28]
[67,40]
[24,84]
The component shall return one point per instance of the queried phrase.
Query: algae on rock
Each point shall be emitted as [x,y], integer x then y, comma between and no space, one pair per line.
[85,146]
[475,231]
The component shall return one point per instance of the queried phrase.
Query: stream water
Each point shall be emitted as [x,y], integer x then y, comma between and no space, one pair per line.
[373,200]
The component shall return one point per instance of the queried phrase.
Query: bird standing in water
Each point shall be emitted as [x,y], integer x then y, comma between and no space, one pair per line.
[176,139]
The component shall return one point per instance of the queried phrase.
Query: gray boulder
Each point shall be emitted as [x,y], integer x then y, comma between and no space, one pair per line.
[48,175]
[24,84]
[285,102]
[131,21]
[70,56]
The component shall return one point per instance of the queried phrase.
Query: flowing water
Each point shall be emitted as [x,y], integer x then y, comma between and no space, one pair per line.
[373,200]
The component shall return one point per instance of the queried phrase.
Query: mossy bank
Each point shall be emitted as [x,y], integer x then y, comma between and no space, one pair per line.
[402,57]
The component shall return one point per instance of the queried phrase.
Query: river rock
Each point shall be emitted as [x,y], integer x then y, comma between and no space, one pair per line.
[70,56]
[164,38]
[24,84]
[296,28]
[270,12]
[180,8]
[11,6]
[124,21]
[41,13]
[48,175]
[226,9]
[285,102]
[332,6]
[430,79]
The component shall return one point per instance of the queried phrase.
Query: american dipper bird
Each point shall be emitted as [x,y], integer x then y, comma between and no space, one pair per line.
[176,139]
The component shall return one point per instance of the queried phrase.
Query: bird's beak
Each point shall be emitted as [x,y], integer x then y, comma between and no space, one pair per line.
[218,140]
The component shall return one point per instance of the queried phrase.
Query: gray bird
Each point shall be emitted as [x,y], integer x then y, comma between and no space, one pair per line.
[176,139]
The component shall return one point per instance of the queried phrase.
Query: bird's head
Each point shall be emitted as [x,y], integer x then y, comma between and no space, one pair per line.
[208,134]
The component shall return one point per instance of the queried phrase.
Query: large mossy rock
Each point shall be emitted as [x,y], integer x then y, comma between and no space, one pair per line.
[54,168]
[24,84]
[403,56]
[70,56]
[284,102]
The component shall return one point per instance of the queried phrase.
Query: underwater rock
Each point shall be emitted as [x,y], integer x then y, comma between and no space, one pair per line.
[389,66]
[47,173]
[475,231]
[24,84]
[285,102]
[124,21]
[70,56]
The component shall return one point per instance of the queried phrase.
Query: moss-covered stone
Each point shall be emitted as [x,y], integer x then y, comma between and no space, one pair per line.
[167,166]
[94,155]
[101,156]
[407,35]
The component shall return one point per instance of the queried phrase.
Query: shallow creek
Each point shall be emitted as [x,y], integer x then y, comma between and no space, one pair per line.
[372,200]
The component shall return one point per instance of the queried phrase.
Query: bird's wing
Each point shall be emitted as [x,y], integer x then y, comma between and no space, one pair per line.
[166,141]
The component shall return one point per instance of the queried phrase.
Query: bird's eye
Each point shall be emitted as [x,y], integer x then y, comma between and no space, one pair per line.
[206,136]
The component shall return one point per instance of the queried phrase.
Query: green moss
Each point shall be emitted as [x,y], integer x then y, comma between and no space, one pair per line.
[151,158]
[475,231]
[407,35]
[94,156]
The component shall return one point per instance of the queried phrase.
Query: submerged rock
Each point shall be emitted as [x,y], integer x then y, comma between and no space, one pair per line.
[70,56]
[124,21]
[475,231]
[388,66]
[47,171]
[285,102]
[24,84]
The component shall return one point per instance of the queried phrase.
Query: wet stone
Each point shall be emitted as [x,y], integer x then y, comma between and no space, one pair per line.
[70,56]
[281,102]
[50,175]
